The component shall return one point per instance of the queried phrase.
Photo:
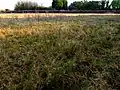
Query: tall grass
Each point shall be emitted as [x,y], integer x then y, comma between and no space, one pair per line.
[60,53]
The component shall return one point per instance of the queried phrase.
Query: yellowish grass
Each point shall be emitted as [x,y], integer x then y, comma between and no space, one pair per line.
[22,15]
[8,32]
[34,29]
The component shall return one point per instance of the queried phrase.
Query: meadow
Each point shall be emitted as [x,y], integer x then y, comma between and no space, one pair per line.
[60,53]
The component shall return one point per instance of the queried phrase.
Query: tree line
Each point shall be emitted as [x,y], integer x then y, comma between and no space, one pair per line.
[95,5]
[76,5]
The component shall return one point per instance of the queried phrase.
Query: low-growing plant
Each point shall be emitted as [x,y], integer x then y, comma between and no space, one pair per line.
[62,53]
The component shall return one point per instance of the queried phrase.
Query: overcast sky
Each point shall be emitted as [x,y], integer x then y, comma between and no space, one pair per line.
[9,4]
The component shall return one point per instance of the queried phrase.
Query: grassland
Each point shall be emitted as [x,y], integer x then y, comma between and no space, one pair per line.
[29,15]
[60,53]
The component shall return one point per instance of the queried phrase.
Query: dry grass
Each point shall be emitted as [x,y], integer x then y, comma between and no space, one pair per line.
[34,29]
[60,53]
[16,15]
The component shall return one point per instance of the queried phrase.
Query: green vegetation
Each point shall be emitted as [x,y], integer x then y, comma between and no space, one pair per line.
[60,53]
[76,5]
[59,4]
[92,5]
[116,4]
[28,5]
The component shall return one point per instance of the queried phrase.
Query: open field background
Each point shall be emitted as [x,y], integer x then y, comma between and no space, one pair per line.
[22,15]
[60,53]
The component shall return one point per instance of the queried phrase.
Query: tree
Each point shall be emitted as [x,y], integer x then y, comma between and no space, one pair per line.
[59,4]
[92,5]
[21,5]
[85,5]
[105,4]
[65,4]
[53,4]
[77,5]
[115,4]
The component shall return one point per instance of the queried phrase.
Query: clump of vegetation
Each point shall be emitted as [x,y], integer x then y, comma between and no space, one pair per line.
[76,5]
[60,53]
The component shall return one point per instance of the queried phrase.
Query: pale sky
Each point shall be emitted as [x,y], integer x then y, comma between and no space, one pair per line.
[9,4]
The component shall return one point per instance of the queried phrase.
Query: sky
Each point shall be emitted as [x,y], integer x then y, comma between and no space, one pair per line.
[9,4]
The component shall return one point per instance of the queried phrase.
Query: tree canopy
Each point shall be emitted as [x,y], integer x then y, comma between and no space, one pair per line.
[76,5]
[59,4]
[116,4]
[26,5]
[90,5]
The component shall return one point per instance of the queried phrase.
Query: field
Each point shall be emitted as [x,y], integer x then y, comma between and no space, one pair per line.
[60,53]
[28,15]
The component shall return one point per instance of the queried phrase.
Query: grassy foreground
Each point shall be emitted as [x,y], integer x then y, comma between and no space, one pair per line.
[60,53]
